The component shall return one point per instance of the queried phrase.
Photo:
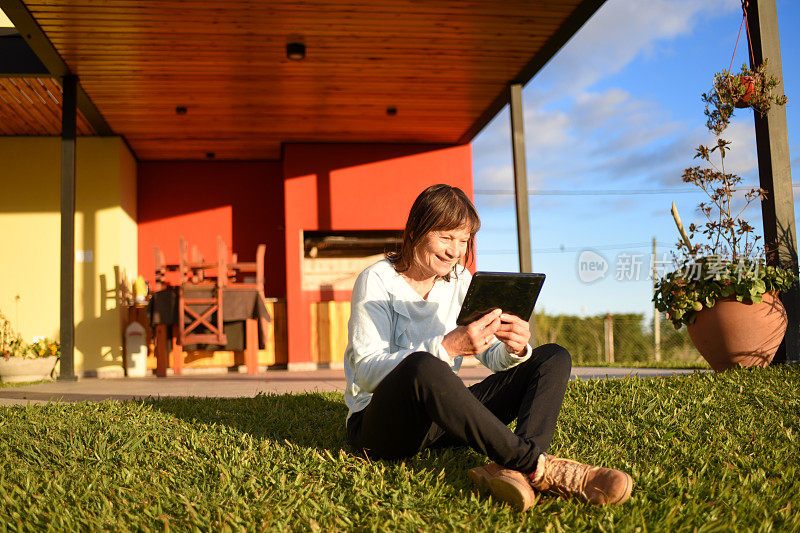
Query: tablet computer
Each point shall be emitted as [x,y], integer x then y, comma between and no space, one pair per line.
[515,294]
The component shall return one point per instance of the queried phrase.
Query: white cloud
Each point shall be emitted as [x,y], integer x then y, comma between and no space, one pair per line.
[609,133]
[599,125]
[545,130]
[597,108]
[741,158]
[619,32]
[501,180]
[493,144]
[603,131]
[495,178]
[656,164]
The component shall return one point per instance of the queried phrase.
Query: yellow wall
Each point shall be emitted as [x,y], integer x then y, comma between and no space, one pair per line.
[105,224]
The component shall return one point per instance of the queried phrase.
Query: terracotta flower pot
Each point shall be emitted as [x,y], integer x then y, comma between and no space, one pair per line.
[735,333]
[16,369]
[750,86]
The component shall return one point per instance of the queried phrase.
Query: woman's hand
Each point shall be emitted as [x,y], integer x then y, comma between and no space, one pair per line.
[514,333]
[474,337]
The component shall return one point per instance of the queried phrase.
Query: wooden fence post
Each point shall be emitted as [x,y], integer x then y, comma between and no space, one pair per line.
[609,330]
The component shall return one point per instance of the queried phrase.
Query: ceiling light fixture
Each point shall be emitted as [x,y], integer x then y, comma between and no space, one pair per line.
[295,51]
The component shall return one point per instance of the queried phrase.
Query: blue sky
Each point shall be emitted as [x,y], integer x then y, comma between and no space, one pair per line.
[619,109]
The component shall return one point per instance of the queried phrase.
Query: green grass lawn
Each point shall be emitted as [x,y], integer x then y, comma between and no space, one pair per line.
[4,384]
[687,365]
[707,453]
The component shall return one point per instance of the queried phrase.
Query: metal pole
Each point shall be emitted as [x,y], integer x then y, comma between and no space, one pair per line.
[520,177]
[521,188]
[67,312]
[656,317]
[774,170]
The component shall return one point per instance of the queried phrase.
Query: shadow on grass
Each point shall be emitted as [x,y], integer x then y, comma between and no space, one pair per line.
[309,420]
[312,420]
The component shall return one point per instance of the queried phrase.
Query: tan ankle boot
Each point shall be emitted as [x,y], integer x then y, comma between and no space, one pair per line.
[505,485]
[594,484]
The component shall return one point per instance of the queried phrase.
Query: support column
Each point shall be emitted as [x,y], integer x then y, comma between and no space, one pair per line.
[520,177]
[69,111]
[775,176]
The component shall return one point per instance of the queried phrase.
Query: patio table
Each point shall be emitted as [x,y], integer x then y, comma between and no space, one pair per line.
[245,318]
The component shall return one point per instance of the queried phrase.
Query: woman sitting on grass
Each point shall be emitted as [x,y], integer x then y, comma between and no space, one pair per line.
[404,351]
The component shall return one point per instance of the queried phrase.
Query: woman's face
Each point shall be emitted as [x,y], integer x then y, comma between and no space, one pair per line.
[439,251]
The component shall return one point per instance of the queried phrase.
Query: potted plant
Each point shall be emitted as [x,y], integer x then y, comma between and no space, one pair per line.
[749,88]
[722,289]
[20,361]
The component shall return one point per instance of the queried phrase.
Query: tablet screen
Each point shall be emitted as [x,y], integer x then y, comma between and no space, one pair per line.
[515,294]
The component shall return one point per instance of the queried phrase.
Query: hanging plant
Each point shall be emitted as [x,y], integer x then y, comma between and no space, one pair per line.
[749,88]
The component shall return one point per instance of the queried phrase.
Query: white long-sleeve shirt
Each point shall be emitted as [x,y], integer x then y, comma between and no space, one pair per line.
[390,320]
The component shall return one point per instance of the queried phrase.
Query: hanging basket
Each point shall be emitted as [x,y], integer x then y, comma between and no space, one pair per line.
[744,86]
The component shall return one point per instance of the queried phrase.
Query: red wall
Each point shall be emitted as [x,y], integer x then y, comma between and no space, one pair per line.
[354,186]
[315,187]
[240,200]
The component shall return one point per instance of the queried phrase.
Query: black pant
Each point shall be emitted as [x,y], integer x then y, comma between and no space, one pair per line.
[422,403]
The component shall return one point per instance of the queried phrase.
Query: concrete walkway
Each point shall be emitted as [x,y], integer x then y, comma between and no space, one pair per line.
[233,385]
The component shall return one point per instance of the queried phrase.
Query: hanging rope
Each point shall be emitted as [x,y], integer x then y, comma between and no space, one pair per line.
[744,17]
[745,5]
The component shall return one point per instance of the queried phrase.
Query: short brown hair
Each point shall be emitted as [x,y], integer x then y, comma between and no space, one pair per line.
[437,208]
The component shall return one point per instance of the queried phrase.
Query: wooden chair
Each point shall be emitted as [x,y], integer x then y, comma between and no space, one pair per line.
[257,267]
[209,314]
[238,270]
[161,270]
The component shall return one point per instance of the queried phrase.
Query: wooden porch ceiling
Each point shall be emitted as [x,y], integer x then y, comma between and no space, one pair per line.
[443,65]
[32,106]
